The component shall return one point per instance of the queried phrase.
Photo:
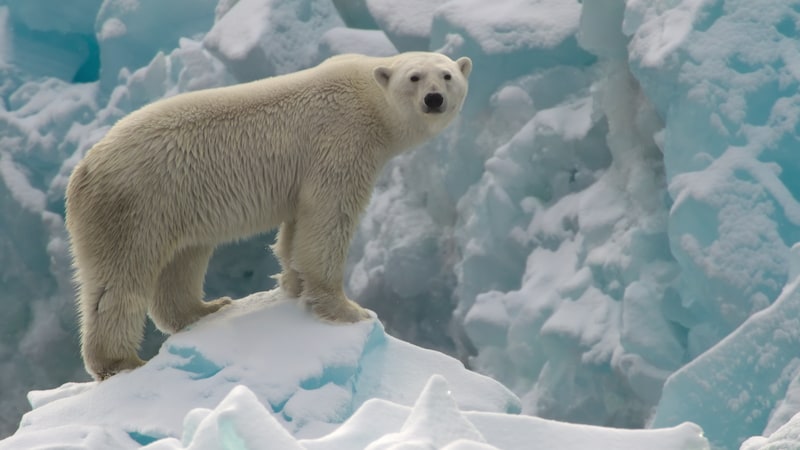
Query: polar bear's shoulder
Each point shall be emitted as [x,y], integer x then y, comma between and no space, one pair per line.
[350,65]
[370,62]
[355,59]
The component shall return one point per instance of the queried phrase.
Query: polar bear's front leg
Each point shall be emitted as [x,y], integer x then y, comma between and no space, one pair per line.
[289,280]
[322,238]
[178,300]
[336,308]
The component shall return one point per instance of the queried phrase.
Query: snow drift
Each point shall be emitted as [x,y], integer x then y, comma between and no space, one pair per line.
[263,373]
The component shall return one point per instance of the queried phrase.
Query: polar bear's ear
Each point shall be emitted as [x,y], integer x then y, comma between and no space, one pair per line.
[382,75]
[465,65]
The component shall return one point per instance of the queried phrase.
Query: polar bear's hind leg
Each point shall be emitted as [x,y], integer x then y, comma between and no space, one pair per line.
[112,326]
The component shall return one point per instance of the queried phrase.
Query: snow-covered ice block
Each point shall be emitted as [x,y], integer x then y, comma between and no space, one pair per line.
[434,422]
[239,419]
[257,38]
[407,23]
[508,38]
[310,375]
[188,67]
[724,79]
[787,437]
[718,390]
[350,40]
[39,122]
[130,33]
[565,262]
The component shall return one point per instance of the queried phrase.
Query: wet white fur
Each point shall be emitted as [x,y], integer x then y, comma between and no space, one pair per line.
[169,182]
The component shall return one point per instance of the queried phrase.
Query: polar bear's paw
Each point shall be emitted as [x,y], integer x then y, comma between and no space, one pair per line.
[105,369]
[213,306]
[206,308]
[337,310]
[290,282]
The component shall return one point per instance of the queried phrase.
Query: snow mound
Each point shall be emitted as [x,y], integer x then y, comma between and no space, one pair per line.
[263,373]
[311,375]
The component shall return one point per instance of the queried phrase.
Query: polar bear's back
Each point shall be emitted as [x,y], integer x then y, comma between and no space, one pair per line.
[232,156]
[274,98]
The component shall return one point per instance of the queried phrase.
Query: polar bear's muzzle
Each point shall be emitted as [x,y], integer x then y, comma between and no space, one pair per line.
[434,103]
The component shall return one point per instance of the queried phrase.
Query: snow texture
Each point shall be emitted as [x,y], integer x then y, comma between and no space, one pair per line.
[263,373]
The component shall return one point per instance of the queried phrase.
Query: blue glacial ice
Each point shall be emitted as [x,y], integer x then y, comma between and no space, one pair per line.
[718,390]
[727,91]
[612,214]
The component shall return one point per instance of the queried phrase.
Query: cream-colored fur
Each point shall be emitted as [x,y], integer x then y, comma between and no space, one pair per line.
[151,200]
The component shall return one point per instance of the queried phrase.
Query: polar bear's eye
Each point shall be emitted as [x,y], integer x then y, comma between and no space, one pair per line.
[414,78]
[447,76]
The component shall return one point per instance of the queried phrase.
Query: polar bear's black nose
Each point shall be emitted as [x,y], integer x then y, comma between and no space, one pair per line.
[434,100]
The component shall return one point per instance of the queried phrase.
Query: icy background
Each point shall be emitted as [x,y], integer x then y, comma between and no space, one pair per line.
[607,230]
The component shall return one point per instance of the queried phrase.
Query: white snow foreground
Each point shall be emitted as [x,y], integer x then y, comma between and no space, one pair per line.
[263,374]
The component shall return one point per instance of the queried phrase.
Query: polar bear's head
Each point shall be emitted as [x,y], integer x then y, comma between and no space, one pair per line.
[426,89]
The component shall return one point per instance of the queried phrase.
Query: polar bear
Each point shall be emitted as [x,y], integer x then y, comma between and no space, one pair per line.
[148,203]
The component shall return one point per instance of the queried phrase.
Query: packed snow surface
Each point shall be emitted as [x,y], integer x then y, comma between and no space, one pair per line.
[263,373]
